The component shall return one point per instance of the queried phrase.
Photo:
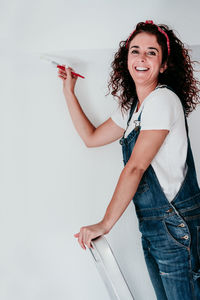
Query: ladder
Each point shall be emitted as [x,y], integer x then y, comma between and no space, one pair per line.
[109,270]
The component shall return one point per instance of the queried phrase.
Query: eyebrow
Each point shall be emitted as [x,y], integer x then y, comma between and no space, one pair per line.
[147,47]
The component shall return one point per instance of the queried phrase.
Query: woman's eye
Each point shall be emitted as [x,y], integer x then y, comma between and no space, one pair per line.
[151,53]
[134,51]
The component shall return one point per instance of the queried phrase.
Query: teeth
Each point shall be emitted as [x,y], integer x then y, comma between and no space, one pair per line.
[141,69]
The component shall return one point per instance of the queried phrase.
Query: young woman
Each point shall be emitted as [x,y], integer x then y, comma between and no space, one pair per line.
[153,79]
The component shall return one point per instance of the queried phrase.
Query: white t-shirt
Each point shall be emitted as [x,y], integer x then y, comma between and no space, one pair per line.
[162,109]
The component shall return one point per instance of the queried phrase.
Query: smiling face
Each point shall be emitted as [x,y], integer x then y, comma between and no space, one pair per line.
[145,60]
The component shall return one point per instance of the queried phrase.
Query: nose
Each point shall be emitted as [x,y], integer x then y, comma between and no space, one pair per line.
[141,57]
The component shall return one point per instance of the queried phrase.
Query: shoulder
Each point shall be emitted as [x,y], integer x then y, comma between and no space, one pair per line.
[164,101]
[161,109]
[163,97]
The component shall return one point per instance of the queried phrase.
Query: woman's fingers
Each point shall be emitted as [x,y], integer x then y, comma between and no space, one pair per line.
[67,72]
[87,239]
[77,235]
[62,73]
[69,80]
[84,238]
[80,240]
[61,77]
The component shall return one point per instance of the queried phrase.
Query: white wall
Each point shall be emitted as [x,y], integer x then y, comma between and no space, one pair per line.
[51,183]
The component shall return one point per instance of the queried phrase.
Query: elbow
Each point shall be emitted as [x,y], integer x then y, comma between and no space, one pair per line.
[135,169]
[88,143]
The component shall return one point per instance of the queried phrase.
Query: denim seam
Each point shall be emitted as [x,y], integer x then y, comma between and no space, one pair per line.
[182,210]
[157,217]
[183,201]
[191,217]
[163,207]
[166,216]
[150,218]
[157,208]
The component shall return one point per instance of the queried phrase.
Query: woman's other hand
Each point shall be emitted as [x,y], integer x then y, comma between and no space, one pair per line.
[69,79]
[87,233]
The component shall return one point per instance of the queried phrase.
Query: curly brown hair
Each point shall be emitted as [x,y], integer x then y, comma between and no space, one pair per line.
[178,75]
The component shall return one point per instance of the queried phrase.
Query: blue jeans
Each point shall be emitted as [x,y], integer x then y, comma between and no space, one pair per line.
[171,245]
[170,230]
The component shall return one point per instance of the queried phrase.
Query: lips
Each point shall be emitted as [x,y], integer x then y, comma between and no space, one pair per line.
[141,69]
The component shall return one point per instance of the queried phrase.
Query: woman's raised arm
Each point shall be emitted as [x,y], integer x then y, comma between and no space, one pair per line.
[106,133]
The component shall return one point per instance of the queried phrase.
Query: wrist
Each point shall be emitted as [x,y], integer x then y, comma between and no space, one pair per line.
[69,94]
[107,226]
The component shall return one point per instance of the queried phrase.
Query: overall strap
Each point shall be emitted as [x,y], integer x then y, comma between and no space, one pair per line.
[133,105]
[131,112]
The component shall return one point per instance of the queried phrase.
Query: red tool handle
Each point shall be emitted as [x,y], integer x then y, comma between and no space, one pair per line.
[63,68]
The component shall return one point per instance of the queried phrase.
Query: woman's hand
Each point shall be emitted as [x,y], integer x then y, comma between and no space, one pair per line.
[87,233]
[69,80]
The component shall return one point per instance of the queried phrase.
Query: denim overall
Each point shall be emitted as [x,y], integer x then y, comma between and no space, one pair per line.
[170,230]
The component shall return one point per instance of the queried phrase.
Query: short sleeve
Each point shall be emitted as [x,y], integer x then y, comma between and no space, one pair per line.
[160,111]
[118,118]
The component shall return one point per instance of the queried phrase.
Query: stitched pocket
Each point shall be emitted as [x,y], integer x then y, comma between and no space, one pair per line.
[176,233]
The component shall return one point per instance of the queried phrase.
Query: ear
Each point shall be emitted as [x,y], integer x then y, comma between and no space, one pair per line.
[163,67]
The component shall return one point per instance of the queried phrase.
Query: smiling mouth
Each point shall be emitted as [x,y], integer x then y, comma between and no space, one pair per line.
[141,69]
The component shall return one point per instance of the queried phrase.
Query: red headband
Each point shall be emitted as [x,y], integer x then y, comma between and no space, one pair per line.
[162,31]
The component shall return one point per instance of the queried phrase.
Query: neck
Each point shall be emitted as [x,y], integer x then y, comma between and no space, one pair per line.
[144,91]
